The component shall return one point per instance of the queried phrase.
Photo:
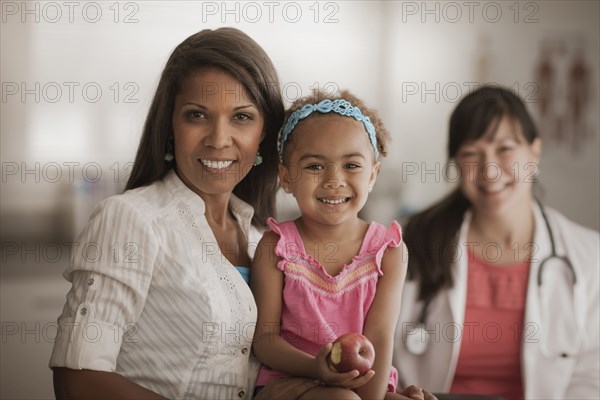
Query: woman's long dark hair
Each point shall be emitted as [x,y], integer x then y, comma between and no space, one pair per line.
[431,235]
[236,53]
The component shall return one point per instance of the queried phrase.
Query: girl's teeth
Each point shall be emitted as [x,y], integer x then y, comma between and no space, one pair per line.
[337,201]
[216,164]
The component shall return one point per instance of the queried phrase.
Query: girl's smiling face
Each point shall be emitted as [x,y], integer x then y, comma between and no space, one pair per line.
[329,168]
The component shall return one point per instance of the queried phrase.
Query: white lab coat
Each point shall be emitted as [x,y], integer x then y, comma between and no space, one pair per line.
[573,329]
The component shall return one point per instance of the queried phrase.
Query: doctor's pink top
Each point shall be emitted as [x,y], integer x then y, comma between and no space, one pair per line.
[318,307]
[490,354]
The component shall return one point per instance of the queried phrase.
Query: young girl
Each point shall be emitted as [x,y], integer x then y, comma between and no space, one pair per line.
[331,272]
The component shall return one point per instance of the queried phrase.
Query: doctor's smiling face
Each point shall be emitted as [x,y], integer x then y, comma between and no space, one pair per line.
[498,169]
[217,129]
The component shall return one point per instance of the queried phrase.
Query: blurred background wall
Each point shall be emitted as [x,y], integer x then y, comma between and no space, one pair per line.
[77,78]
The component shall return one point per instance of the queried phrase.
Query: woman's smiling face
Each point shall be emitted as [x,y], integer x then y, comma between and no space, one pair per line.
[498,169]
[217,129]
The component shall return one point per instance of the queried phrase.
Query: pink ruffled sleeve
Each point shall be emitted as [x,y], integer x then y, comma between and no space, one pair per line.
[391,238]
[286,247]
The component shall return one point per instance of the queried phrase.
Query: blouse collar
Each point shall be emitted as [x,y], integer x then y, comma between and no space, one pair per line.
[242,211]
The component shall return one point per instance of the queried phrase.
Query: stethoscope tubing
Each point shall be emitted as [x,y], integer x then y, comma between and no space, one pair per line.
[421,347]
[553,254]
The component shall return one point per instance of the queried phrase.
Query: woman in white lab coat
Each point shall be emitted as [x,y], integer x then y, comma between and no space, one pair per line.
[486,309]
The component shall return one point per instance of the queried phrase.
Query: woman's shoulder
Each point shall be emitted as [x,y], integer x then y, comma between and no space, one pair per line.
[571,230]
[580,244]
[145,202]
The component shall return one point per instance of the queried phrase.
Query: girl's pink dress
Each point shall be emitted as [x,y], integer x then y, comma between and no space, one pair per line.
[318,307]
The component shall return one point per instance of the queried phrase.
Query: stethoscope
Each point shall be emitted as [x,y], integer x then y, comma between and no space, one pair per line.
[417,339]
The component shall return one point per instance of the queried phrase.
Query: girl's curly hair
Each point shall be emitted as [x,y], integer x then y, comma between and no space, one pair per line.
[381,132]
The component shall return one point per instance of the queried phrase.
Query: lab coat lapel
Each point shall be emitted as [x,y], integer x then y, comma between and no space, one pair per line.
[457,295]
[532,322]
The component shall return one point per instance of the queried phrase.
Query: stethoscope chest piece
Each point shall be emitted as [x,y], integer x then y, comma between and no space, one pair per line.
[417,340]
[557,329]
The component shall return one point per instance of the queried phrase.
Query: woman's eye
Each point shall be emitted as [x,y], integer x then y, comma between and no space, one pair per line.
[467,154]
[243,117]
[196,114]
[505,149]
[352,165]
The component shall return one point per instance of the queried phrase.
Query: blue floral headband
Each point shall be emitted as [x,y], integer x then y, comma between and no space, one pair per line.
[339,106]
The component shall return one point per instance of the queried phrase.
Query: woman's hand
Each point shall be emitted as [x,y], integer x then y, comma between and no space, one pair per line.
[348,380]
[415,393]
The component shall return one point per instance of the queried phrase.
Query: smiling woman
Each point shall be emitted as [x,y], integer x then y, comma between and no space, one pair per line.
[216,129]
[490,167]
[176,318]
[475,272]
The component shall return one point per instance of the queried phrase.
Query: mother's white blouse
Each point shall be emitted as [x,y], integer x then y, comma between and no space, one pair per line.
[155,300]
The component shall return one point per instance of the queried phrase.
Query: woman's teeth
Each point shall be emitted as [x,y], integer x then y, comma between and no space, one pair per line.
[334,201]
[216,164]
[492,189]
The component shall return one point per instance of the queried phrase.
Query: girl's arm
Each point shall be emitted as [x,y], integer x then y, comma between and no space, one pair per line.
[270,348]
[267,287]
[87,384]
[382,318]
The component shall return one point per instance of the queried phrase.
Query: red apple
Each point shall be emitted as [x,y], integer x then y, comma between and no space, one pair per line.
[352,351]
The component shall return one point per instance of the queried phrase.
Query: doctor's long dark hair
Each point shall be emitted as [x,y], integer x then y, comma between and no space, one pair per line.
[236,53]
[431,235]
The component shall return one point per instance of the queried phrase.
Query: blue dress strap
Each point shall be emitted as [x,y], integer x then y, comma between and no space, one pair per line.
[245,272]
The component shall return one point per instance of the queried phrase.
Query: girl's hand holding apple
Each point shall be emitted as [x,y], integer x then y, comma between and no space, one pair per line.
[351,379]
[352,351]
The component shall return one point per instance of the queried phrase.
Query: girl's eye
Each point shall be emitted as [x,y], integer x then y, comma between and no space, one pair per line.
[314,167]
[505,149]
[352,165]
